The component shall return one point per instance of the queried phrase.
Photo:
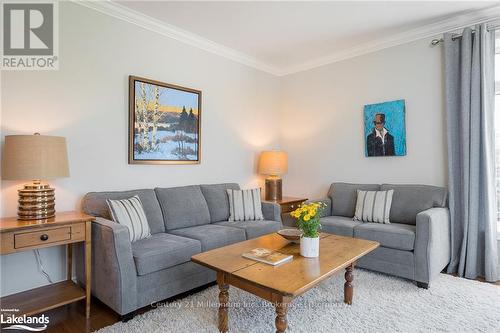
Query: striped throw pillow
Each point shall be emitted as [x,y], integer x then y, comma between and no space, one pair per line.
[245,205]
[130,213]
[373,206]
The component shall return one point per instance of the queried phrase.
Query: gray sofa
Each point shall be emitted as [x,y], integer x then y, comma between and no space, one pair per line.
[183,221]
[415,245]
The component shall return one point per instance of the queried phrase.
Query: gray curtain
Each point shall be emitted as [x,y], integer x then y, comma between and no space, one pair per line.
[470,95]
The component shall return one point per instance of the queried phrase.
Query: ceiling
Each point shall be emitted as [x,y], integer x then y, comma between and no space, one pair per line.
[290,36]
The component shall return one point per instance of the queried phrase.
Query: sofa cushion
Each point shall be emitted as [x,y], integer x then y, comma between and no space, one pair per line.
[395,235]
[183,206]
[373,206]
[254,229]
[162,251]
[245,205]
[217,200]
[343,196]
[339,225]
[130,213]
[212,236]
[409,200]
[94,203]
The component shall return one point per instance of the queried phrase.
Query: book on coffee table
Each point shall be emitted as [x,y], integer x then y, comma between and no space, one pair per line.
[267,256]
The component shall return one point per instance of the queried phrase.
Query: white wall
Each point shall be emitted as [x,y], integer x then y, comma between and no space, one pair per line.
[86,101]
[322,120]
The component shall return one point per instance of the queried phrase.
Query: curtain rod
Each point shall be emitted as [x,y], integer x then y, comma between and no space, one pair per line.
[437,41]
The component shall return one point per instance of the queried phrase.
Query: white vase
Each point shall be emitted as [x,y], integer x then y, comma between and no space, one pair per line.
[309,247]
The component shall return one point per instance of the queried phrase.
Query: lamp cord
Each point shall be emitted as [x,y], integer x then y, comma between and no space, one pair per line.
[41,269]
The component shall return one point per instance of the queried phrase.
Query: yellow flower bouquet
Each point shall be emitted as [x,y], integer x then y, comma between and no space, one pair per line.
[307,216]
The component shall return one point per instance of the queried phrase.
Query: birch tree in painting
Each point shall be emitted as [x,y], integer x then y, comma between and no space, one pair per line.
[155,117]
[138,119]
[144,142]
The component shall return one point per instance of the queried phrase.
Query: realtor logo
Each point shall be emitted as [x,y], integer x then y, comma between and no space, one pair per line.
[30,36]
[18,323]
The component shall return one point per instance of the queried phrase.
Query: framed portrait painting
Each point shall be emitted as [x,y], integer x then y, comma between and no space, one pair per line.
[385,129]
[164,123]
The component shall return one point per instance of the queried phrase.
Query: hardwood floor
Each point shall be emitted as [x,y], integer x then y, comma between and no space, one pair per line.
[71,318]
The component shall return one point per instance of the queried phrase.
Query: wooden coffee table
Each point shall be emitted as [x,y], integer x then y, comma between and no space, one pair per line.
[281,284]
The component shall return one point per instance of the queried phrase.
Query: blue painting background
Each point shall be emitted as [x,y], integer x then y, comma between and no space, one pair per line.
[394,122]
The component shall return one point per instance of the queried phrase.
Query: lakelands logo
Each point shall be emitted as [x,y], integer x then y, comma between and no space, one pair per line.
[28,323]
[30,39]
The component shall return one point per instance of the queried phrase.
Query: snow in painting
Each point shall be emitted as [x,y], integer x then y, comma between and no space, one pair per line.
[166,123]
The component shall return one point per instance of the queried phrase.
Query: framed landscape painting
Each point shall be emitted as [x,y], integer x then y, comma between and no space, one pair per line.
[164,123]
[385,129]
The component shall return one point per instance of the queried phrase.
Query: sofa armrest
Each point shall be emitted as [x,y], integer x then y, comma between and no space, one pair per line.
[114,276]
[271,211]
[432,243]
[328,208]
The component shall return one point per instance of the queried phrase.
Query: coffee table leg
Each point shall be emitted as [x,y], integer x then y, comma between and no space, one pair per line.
[223,302]
[281,305]
[348,288]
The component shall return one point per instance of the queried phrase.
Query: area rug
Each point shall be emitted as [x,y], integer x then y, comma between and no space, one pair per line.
[381,303]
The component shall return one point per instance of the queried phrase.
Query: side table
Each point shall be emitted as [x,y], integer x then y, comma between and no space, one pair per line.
[66,228]
[289,204]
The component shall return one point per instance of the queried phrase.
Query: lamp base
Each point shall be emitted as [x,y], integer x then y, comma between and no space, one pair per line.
[36,202]
[274,189]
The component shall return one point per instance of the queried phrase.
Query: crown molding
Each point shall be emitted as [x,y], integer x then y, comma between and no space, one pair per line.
[430,30]
[147,22]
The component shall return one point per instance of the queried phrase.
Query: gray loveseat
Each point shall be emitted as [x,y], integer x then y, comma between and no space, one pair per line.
[183,221]
[415,245]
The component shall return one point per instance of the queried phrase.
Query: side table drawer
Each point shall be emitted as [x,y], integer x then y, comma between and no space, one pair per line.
[41,237]
[36,238]
[289,207]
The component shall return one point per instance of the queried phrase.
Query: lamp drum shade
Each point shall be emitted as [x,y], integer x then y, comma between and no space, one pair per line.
[34,157]
[273,163]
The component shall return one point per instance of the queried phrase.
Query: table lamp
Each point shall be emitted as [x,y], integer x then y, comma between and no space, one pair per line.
[35,157]
[274,164]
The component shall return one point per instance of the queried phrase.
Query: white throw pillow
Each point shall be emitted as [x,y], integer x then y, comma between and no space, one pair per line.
[130,213]
[373,206]
[245,205]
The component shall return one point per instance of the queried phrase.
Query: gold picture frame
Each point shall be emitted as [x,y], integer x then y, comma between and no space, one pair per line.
[164,123]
